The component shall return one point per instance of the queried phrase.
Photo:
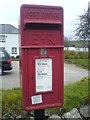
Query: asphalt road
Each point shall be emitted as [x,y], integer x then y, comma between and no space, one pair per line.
[11,79]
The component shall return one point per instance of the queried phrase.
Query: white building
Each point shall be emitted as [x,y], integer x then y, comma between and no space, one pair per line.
[69,48]
[9,39]
[78,49]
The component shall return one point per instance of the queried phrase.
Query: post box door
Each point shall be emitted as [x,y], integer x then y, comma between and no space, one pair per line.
[44,97]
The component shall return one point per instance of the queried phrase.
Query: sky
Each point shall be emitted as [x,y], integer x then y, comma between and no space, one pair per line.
[10,12]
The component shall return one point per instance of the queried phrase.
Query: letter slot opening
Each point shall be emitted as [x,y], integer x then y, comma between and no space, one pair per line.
[42,26]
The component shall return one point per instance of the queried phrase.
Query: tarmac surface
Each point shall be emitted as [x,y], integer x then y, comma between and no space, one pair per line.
[11,79]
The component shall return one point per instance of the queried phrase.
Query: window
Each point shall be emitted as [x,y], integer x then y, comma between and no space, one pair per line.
[3,38]
[14,50]
[84,49]
[66,48]
[78,49]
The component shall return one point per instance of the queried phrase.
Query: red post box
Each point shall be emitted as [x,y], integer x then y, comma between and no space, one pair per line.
[41,56]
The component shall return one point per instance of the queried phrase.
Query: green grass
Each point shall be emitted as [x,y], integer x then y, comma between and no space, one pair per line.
[79,58]
[81,62]
[75,95]
[0,102]
[0,96]
[11,100]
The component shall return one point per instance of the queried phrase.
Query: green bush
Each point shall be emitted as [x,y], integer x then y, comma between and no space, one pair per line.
[70,54]
[71,57]
[83,55]
[75,55]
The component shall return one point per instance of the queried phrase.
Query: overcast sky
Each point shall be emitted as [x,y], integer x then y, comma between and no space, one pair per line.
[10,10]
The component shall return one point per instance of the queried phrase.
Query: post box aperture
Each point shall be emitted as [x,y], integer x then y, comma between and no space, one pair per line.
[41,56]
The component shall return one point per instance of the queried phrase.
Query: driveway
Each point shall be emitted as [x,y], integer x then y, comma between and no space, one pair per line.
[72,73]
[11,79]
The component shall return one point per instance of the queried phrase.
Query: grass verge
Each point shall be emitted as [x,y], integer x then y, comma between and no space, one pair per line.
[80,62]
[11,100]
[75,95]
[0,102]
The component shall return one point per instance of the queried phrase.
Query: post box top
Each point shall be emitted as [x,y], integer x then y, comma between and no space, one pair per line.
[40,6]
[41,14]
[41,26]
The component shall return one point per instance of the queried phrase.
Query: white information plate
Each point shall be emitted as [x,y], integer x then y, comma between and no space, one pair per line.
[43,74]
[36,99]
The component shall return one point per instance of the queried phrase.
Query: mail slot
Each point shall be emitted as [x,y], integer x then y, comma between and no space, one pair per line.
[41,56]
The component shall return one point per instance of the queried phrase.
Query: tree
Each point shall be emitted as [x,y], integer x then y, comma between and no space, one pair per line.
[83,28]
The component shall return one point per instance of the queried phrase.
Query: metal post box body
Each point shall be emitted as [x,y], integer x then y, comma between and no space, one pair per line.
[41,56]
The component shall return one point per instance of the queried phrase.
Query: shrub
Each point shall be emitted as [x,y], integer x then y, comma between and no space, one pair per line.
[71,57]
[83,55]
[70,54]
[75,55]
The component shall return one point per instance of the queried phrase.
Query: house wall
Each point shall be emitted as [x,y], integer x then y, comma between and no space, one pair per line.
[69,48]
[81,49]
[10,43]
[76,49]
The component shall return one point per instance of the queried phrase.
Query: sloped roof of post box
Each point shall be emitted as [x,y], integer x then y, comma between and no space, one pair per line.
[8,29]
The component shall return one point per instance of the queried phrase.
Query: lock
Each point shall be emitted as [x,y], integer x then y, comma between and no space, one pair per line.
[43,51]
